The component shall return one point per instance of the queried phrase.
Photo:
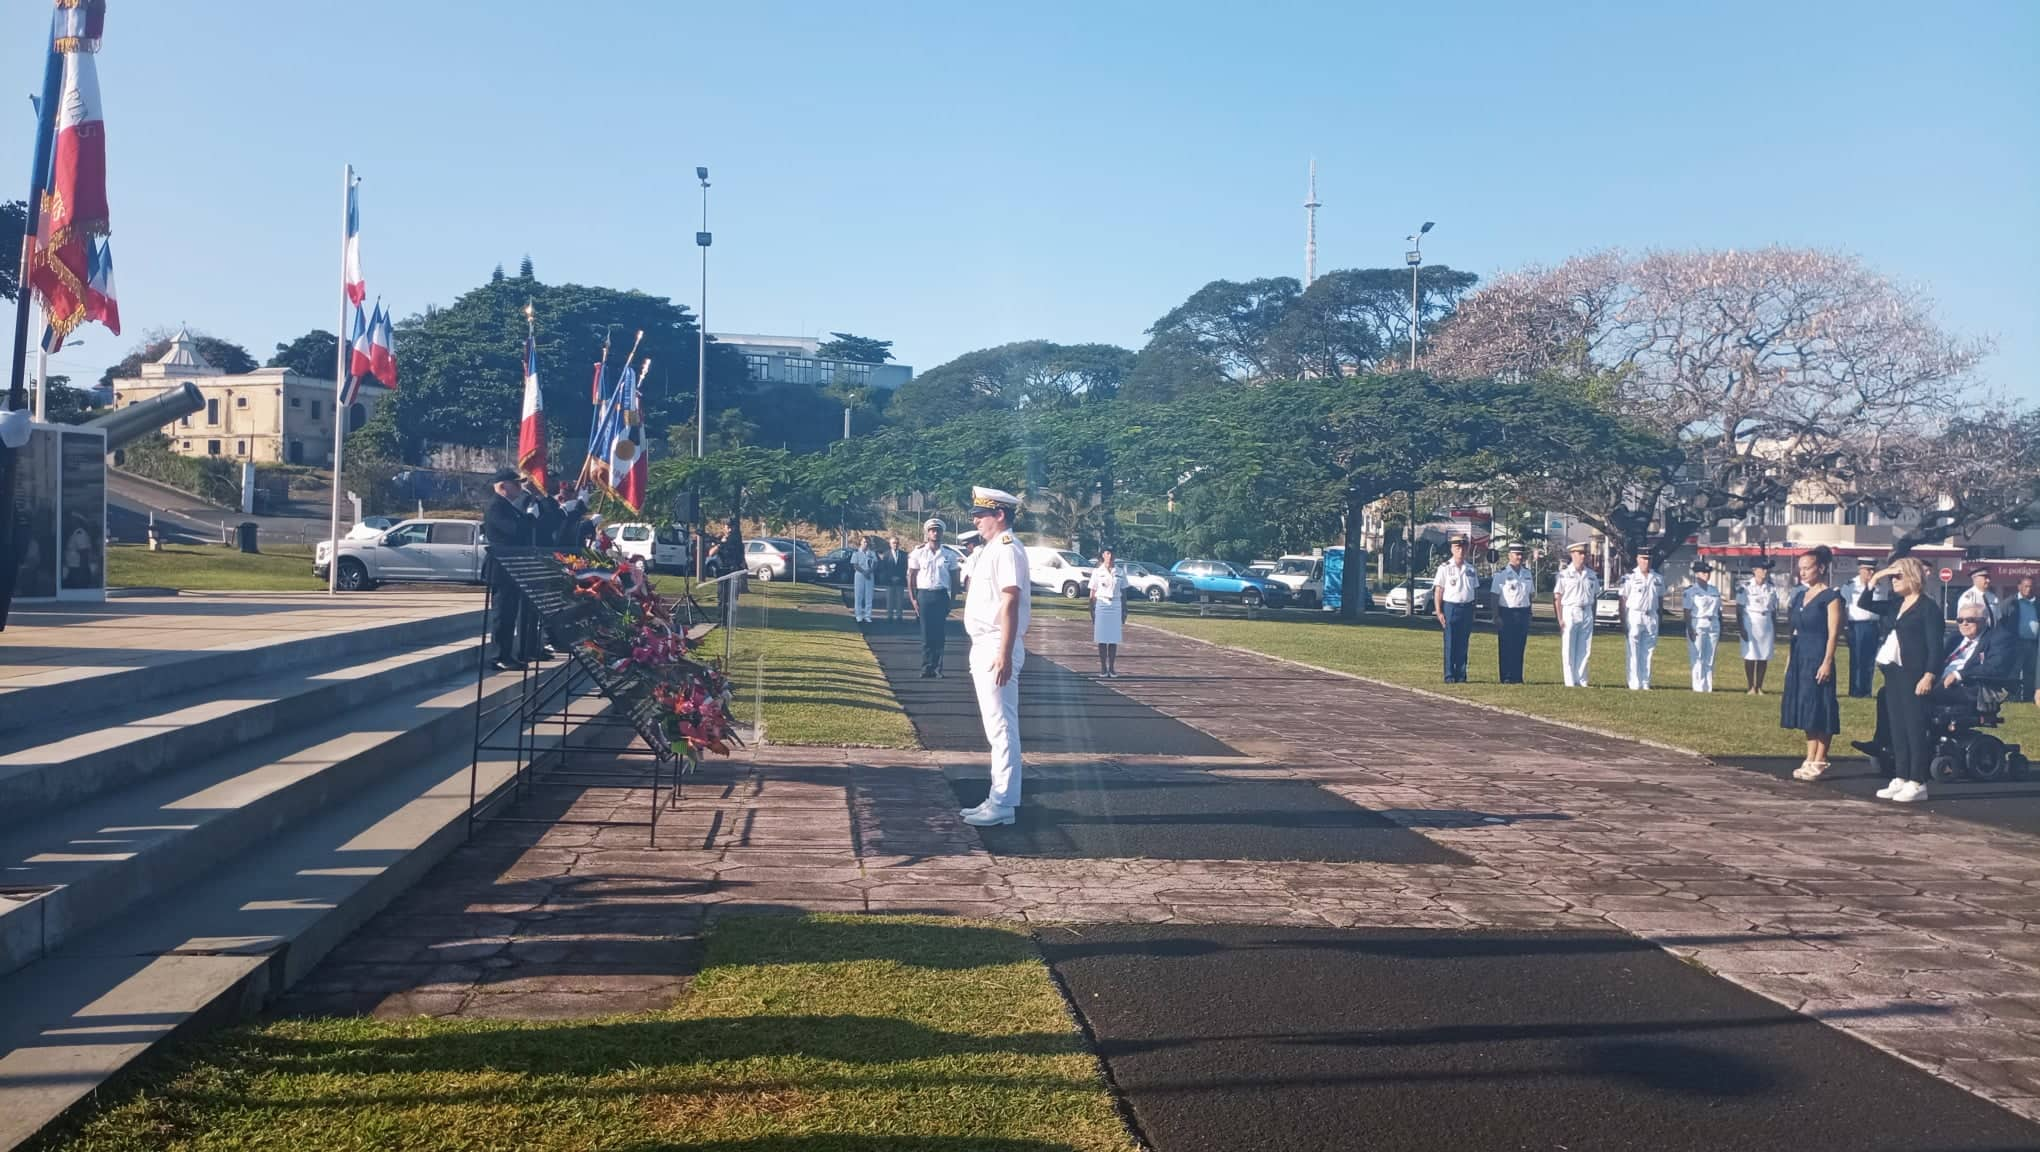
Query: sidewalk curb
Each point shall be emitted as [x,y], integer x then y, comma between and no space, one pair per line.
[1425,692]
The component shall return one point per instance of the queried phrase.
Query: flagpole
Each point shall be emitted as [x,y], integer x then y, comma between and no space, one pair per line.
[38,181]
[339,390]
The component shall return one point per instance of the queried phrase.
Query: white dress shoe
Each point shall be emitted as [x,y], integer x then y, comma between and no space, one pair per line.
[986,816]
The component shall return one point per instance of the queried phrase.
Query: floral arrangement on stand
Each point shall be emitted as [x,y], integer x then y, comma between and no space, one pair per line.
[632,631]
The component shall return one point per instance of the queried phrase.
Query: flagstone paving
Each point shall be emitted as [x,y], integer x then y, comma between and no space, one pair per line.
[1917,934]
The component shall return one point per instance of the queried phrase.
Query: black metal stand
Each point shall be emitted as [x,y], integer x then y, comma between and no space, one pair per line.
[520,723]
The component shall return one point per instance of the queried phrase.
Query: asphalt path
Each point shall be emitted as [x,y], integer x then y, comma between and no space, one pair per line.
[1079,811]
[2011,805]
[1060,711]
[1230,1038]
[131,499]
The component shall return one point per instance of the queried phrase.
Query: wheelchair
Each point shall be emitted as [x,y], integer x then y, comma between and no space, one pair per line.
[1963,750]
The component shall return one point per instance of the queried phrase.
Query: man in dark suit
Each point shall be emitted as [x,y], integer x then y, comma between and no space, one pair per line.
[892,575]
[504,526]
[545,517]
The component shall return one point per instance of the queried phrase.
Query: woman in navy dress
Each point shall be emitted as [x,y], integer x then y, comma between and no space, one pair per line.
[1809,703]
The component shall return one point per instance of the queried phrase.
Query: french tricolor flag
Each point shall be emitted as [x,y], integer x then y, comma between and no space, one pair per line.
[531,430]
[382,348]
[357,288]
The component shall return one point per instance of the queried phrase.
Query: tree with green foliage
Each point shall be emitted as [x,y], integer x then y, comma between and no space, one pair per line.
[858,349]
[13,220]
[1225,327]
[224,355]
[464,363]
[1358,319]
[1028,372]
[68,405]
[313,354]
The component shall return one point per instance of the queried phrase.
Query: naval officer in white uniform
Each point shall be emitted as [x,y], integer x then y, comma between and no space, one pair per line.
[995,617]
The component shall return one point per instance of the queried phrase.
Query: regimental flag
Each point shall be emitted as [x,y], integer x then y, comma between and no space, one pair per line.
[601,439]
[627,472]
[382,348]
[360,357]
[357,287]
[74,200]
[531,431]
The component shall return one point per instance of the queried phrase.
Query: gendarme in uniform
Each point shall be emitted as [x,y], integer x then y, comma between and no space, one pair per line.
[996,583]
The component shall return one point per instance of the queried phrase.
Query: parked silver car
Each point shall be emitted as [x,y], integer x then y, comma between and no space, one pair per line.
[450,551]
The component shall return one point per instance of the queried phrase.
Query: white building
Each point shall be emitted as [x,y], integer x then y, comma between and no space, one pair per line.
[270,415]
[798,360]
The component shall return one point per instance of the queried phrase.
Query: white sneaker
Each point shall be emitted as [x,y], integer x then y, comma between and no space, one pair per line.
[1891,789]
[986,816]
[1912,793]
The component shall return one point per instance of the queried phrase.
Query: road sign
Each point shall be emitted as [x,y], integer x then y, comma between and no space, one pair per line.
[1947,574]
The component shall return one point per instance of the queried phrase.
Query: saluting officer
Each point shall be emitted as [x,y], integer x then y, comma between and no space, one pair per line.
[1702,603]
[995,616]
[1862,628]
[1643,594]
[1572,600]
[1514,587]
[1453,589]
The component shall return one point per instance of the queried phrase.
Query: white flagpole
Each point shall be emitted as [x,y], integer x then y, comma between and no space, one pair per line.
[339,390]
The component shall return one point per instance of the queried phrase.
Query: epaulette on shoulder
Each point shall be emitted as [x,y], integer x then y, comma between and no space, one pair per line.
[1005,537]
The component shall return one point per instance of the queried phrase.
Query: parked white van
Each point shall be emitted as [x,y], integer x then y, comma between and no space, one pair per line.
[1058,572]
[662,549]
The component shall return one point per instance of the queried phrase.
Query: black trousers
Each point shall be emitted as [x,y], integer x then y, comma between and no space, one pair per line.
[1905,718]
[1862,656]
[507,606]
[1458,630]
[1513,625]
[934,604]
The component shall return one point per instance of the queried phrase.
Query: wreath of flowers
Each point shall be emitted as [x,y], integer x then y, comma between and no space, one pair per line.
[631,631]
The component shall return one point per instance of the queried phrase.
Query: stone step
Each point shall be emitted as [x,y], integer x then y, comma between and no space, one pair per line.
[88,864]
[225,942]
[48,768]
[80,691]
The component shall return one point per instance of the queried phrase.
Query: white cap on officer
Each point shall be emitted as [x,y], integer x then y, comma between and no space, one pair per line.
[1577,548]
[991,500]
[934,522]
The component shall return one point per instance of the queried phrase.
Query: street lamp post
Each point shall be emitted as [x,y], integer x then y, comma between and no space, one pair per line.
[702,239]
[1415,259]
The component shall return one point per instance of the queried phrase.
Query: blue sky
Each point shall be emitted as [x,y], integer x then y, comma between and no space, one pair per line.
[952,176]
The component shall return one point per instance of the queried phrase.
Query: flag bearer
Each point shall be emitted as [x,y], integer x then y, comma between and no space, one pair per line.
[1643,594]
[1572,600]
[1702,602]
[1514,587]
[995,616]
[1452,594]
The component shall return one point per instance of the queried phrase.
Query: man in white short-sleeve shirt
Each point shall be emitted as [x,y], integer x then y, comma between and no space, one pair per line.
[995,617]
[931,585]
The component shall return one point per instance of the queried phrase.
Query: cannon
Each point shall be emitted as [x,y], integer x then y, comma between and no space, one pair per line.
[126,425]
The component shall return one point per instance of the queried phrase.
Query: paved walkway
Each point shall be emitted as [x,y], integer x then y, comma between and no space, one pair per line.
[1917,934]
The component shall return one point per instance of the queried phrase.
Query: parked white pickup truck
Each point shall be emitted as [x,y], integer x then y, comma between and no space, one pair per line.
[413,550]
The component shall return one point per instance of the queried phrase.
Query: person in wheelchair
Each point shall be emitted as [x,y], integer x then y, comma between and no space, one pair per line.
[1978,670]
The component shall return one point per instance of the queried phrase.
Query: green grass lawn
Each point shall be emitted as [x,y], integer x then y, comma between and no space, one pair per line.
[807,671]
[824,1034]
[212,568]
[1727,722]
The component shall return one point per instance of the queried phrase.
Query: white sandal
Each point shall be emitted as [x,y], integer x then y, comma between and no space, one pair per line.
[1811,770]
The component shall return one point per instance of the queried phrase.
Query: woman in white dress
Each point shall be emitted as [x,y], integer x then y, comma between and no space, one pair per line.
[1755,603]
[1108,613]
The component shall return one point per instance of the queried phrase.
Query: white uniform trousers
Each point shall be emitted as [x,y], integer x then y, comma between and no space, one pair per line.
[1642,646]
[999,707]
[1701,652]
[861,606]
[1575,643]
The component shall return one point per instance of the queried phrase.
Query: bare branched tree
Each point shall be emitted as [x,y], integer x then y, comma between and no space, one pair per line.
[1766,368]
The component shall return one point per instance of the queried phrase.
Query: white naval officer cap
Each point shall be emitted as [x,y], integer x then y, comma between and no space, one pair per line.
[984,499]
[1577,548]
[934,522]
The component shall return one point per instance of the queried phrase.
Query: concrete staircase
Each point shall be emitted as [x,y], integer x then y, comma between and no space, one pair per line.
[178,847]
